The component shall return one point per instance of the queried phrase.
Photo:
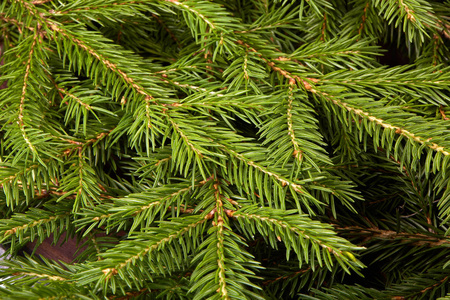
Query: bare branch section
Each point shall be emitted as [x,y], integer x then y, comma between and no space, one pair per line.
[373,233]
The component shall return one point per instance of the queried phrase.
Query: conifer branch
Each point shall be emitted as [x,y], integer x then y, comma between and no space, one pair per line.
[112,264]
[108,64]
[23,96]
[180,144]
[284,182]
[144,207]
[222,290]
[414,14]
[298,153]
[185,138]
[16,229]
[366,115]
[222,259]
[40,2]
[80,6]
[193,10]
[78,100]
[18,24]
[285,230]
[46,276]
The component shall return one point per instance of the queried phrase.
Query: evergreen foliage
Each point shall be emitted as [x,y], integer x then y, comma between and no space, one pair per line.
[238,149]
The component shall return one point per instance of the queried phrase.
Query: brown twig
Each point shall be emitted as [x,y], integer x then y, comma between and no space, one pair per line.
[416,239]
[267,282]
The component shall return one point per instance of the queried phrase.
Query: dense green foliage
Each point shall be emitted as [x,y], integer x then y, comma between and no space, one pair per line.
[226,149]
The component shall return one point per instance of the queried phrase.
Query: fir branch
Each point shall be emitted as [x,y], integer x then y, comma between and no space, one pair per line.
[30,8]
[298,153]
[17,23]
[34,222]
[23,96]
[193,10]
[82,7]
[222,290]
[380,122]
[284,182]
[143,207]
[40,2]
[80,181]
[413,14]
[431,87]
[52,290]
[289,228]
[108,64]
[223,259]
[157,241]
[78,100]
[170,128]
